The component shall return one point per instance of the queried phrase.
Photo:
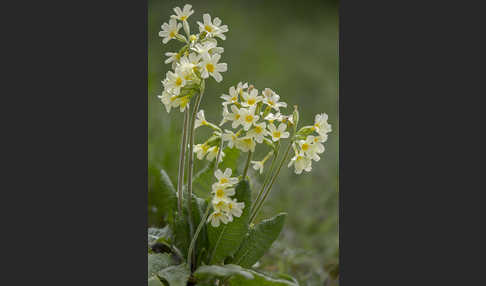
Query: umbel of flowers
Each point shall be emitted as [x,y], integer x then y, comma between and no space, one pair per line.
[257,118]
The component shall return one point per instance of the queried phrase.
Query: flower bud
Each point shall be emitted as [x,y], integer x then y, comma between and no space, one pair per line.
[295,116]
[185,25]
[181,38]
[306,130]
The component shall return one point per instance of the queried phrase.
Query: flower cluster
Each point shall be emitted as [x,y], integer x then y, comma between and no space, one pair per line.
[198,59]
[308,147]
[225,207]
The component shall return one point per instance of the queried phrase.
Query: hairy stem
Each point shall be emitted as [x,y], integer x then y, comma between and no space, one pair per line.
[191,157]
[259,206]
[248,159]
[196,234]
[267,179]
[182,159]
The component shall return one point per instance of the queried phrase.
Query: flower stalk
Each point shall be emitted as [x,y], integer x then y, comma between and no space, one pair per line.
[247,164]
[259,206]
[182,159]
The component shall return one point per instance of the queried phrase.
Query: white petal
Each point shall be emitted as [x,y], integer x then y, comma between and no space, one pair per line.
[207,19]
[217,76]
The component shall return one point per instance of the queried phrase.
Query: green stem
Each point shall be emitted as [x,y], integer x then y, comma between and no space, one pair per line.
[191,160]
[194,239]
[267,178]
[182,159]
[271,184]
[248,159]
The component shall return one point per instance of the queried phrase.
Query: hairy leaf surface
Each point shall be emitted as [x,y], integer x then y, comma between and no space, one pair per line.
[258,240]
[161,195]
[209,271]
[154,281]
[175,275]
[157,262]
[261,279]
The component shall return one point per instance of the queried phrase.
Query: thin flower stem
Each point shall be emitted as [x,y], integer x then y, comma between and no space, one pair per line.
[267,178]
[271,184]
[219,154]
[196,234]
[191,158]
[182,159]
[248,159]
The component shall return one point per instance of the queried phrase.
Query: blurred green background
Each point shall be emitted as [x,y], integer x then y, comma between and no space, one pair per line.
[292,48]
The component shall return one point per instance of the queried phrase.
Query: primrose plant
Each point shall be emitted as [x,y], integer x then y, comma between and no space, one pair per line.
[211,237]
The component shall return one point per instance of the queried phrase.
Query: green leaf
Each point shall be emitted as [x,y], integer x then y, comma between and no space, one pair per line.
[157,262]
[258,240]
[154,281]
[162,199]
[210,271]
[230,160]
[175,275]
[260,279]
[225,239]
[204,179]
[158,235]
[181,233]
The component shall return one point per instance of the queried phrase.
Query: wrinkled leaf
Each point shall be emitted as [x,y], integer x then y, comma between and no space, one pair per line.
[225,239]
[154,281]
[157,262]
[181,233]
[209,271]
[161,196]
[176,275]
[260,279]
[158,235]
[258,240]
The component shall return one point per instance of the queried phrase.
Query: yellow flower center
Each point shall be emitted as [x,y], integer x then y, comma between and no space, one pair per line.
[230,206]
[249,118]
[276,134]
[271,102]
[172,98]
[234,98]
[237,116]
[210,67]
[316,139]
[205,147]
[172,34]
[204,122]
[217,214]
[208,28]
[223,180]
[247,141]
[220,193]
[251,101]
[183,18]
[220,204]
[178,81]
[305,146]
[184,102]
[258,129]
